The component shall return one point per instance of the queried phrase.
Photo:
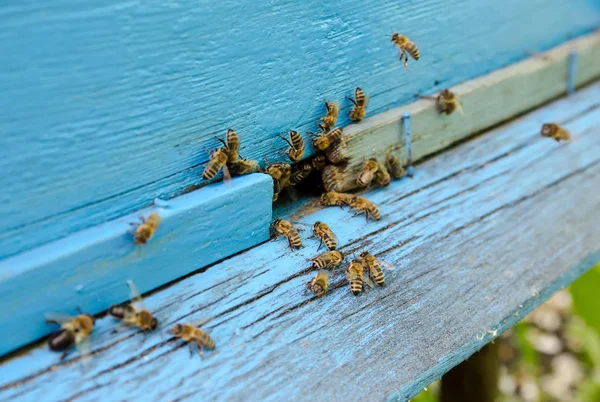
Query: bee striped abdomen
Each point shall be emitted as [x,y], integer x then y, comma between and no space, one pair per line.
[233,145]
[374,212]
[205,340]
[413,50]
[377,275]
[211,169]
[61,340]
[356,286]
[294,239]
[330,242]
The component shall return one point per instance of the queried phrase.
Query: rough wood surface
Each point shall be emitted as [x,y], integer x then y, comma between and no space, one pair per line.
[481,235]
[486,101]
[89,268]
[108,106]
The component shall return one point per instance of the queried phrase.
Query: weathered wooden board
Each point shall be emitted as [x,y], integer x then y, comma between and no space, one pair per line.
[88,269]
[487,101]
[480,236]
[108,106]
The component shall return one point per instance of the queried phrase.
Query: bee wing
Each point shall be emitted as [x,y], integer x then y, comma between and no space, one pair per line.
[367,279]
[459,108]
[59,318]
[323,272]
[226,175]
[334,236]
[134,294]
[85,350]
[292,193]
[385,265]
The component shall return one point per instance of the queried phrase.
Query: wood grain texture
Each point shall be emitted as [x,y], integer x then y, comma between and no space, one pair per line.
[482,235]
[89,268]
[108,106]
[486,101]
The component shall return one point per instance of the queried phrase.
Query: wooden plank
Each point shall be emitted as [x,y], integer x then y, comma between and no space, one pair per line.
[107,107]
[487,101]
[482,235]
[88,268]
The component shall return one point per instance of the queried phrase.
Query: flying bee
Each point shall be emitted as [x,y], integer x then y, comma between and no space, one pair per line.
[284,228]
[330,259]
[406,48]
[394,167]
[134,313]
[367,173]
[232,145]
[361,205]
[360,105]
[333,109]
[244,166]
[332,198]
[191,334]
[300,172]
[326,139]
[145,230]
[296,150]
[382,176]
[554,130]
[446,102]
[74,331]
[218,160]
[375,267]
[324,233]
[355,276]
[319,284]
[318,162]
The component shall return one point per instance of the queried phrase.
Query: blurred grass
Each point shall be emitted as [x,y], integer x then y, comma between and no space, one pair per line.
[586,301]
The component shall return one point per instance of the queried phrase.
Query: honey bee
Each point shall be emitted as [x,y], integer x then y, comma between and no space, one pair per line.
[361,205]
[300,172]
[446,102]
[284,228]
[330,259]
[296,150]
[394,167]
[382,176]
[324,233]
[276,190]
[318,162]
[330,118]
[319,284]
[367,173]
[375,267]
[355,276]
[218,160]
[554,130]
[406,48]
[279,171]
[146,229]
[332,198]
[134,313]
[326,139]
[360,105]
[191,334]
[74,331]
[244,166]
[232,145]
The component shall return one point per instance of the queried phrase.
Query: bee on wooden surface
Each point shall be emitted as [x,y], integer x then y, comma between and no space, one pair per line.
[333,198]
[367,173]
[394,166]
[74,331]
[355,276]
[446,102]
[330,259]
[360,105]
[319,284]
[382,176]
[279,171]
[218,160]
[327,139]
[244,166]
[145,230]
[192,334]
[232,145]
[284,228]
[318,162]
[134,313]
[360,205]
[330,118]
[406,48]
[375,267]
[324,233]
[554,130]
[296,150]
[300,172]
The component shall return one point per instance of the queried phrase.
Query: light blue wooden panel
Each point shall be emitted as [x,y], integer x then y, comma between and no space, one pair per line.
[88,268]
[480,236]
[109,105]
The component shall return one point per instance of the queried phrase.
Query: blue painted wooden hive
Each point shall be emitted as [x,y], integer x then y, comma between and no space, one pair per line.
[109,110]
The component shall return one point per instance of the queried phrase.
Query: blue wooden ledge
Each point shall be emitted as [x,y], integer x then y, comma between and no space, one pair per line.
[89,268]
[481,235]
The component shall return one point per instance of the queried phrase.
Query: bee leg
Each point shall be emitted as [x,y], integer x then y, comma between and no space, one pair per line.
[52,322]
[320,244]
[78,309]
[351,100]
[116,329]
[367,216]
[64,355]
[201,351]
[190,347]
